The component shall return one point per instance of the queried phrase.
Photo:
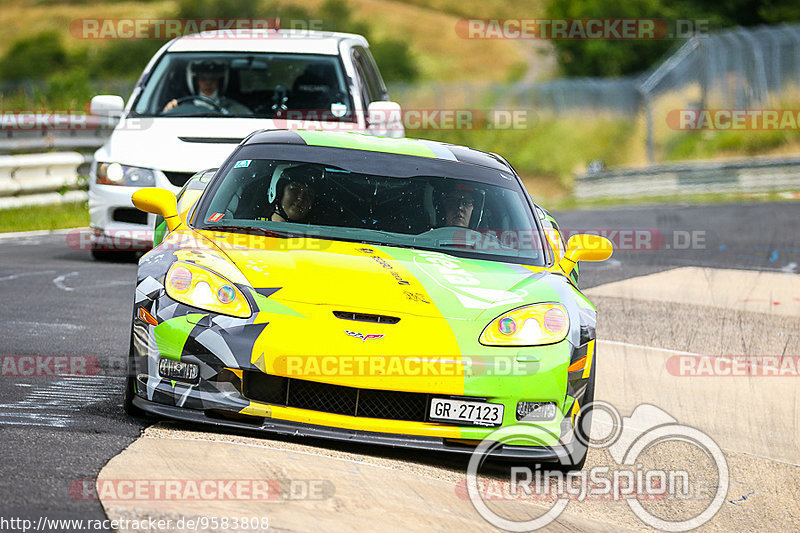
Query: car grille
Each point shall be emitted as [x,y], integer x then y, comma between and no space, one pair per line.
[129,215]
[364,317]
[338,399]
[178,179]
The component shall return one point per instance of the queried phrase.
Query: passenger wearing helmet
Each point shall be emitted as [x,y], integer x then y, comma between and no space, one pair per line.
[207,76]
[293,195]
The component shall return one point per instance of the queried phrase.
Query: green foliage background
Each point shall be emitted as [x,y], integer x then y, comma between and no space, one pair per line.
[622,57]
[43,56]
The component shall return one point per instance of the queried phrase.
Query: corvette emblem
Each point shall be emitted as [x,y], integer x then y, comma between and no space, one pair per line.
[362,336]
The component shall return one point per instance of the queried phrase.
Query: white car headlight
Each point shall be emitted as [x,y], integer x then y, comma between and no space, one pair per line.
[116,174]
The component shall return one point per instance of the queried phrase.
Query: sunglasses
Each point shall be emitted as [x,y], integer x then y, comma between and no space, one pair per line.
[459,201]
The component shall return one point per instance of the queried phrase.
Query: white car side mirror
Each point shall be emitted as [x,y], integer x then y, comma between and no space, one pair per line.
[386,119]
[107,105]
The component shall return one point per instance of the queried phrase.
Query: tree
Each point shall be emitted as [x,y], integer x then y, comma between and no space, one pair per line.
[622,57]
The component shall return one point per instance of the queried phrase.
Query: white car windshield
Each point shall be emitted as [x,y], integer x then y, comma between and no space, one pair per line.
[246,84]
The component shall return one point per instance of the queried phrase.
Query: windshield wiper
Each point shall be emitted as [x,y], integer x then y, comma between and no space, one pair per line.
[191,115]
[253,229]
[463,244]
[472,246]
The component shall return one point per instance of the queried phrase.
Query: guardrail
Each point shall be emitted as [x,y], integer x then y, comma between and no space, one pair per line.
[41,179]
[31,132]
[751,175]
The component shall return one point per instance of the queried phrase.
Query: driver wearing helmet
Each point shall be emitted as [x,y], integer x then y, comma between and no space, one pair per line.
[456,206]
[292,197]
[207,76]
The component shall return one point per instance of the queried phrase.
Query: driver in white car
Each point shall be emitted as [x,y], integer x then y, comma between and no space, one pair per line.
[208,75]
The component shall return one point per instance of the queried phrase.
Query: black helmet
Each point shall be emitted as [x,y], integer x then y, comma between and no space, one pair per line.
[209,67]
[304,173]
[465,190]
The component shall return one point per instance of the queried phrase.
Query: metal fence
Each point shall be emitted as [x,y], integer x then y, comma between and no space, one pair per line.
[617,95]
[732,69]
[738,68]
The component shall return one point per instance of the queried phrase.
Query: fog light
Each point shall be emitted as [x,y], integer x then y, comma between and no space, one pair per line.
[169,369]
[530,411]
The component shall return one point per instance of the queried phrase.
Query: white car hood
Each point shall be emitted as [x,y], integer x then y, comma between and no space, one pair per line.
[155,142]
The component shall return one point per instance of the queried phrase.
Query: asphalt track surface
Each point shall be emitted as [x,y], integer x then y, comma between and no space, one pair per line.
[57,301]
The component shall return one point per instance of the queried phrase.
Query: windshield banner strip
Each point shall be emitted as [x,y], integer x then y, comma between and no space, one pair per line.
[365,142]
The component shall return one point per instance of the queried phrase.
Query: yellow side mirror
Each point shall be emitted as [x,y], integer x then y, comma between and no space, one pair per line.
[158,201]
[585,247]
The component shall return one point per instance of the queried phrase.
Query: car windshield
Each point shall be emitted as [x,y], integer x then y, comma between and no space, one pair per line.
[302,86]
[279,197]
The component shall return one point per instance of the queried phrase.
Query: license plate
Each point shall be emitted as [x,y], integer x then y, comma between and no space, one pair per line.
[475,413]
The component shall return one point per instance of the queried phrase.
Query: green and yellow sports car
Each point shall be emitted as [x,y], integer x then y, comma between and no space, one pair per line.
[391,291]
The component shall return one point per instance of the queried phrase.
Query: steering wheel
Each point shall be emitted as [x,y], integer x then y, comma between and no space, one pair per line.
[470,236]
[202,98]
[444,229]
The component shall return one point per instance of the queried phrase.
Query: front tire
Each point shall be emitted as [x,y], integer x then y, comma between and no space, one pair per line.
[110,256]
[130,385]
[583,426]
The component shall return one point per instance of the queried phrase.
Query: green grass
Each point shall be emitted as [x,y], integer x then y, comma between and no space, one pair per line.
[551,147]
[47,217]
[485,8]
[710,144]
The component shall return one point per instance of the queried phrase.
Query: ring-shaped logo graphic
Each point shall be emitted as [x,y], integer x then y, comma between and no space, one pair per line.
[645,438]
[481,453]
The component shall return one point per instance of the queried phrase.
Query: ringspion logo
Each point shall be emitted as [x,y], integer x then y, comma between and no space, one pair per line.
[625,439]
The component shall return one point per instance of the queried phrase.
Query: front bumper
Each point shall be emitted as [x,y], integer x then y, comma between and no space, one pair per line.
[111,215]
[297,429]
[223,348]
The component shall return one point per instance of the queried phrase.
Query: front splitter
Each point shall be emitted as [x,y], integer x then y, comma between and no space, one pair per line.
[394,440]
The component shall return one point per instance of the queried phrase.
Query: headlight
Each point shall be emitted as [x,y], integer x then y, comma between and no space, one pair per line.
[197,286]
[116,174]
[531,325]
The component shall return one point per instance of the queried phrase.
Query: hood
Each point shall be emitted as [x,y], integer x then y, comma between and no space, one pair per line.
[156,142]
[355,277]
